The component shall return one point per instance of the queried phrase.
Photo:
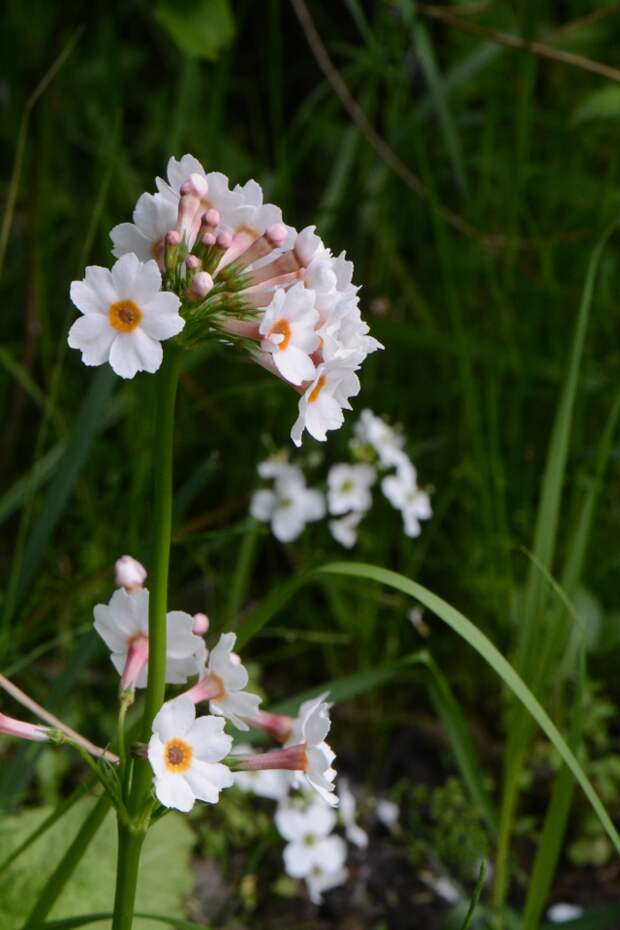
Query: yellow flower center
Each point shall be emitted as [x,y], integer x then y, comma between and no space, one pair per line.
[317,389]
[282,328]
[177,755]
[124,315]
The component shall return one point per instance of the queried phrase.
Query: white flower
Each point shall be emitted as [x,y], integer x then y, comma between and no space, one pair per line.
[287,327]
[125,316]
[273,466]
[388,812]
[310,848]
[273,784]
[387,442]
[344,530]
[130,574]
[442,886]
[223,683]
[321,880]
[123,624]
[153,217]
[320,408]
[345,335]
[185,756]
[309,729]
[562,912]
[403,493]
[348,807]
[289,506]
[348,488]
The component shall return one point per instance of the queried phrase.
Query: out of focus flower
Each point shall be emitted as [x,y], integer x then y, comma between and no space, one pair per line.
[372,431]
[130,574]
[442,886]
[185,755]
[328,874]
[307,827]
[349,488]
[309,729]
[123,624]
[201,624]
[388,812]
[30,731]
[416,617]
[562,912]
[344,530]
[222,685]
[403,493]
[125,317]
[348,808]
[289,506]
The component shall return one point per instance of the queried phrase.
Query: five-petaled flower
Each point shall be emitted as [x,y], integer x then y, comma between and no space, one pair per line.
[309,729]
[222,684]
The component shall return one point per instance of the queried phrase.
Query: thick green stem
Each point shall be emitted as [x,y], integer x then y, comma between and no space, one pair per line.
[127,866]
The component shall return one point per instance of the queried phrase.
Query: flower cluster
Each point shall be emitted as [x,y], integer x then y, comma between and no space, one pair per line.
[201,258]
[377,448]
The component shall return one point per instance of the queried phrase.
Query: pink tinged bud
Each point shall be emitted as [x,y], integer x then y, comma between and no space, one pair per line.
[172,241]
[276,234]
[23,730]
[202,282]
[197,186]
[201,624]
[130,574]
[224,241]
[193,264]
[209,688]
[211,217]
[285,264]
[208,240]
[137,659]
[277,725]
[293,759]
[173,238]
[245,329]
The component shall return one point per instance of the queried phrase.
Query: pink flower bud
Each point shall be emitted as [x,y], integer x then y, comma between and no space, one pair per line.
[277,725]
[201,624]
[202,282]
[130,574]
[211,217]
[13,727]
[208,240]
[276,234]
[193,263]
[173,238]
[224,240]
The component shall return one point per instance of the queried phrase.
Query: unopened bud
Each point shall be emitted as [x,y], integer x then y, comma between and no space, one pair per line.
[202,282]
[130,574]
[201,624]
[171,249]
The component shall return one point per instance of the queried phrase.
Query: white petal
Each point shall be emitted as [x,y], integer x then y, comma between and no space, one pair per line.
[156,750]
[134,352]
[262,505]
[101,283]
[161,318]
[146,284]
[206,780]
[294,364]
[87,300]
[172,790]
[126,237]
[208,739]
[93,336]
[124,273]
[175,719]
[299,859]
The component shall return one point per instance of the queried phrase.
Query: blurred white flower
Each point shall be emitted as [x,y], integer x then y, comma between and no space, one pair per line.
[309,729]
[288,331]
[125,316]
[348,808]
[403,493]
[562,912]
[123,624]
[349,488]
[416,618]
[274,466]
[371,430]
[311,848]
[344,530]
[130,574]
[322,878]
[442,886]
[388,812]
[222,685]
[289,506]
[321,406]
[185,755]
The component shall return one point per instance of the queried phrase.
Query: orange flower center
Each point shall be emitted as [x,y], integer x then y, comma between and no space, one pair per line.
[282,328]
[124,315]
[317,389]
[177,755]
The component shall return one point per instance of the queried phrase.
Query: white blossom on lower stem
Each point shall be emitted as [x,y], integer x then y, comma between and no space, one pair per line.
[222,685]
[289,506]
[403,493]
[309,730]
[126,315]
[123,624]
[185,755]
[321,406]
[348,488]
[288,331]
[344,530]
[348,808]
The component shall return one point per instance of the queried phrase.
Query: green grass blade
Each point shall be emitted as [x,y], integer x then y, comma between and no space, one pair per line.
[485,648]
[256,620]
[13,497]
[477,892]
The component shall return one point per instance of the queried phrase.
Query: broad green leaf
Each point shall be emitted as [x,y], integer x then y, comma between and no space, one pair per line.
[599,918]
[201,28]
[72,923]
[604,104]
[164,882]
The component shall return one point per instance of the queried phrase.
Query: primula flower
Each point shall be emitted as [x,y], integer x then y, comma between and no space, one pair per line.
[222,685]
[31,731]
[125,316]
[123,624]
[371,430]
[344,530]
[349,488]
[309,729]
[403,493]
[288,331]
[130,574]
[348,808]
[289,506]
[320,408]
[307,827]
[185,755]
[388,812]
[327,874]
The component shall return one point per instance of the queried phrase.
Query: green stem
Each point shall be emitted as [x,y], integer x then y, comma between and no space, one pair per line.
[127,867]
